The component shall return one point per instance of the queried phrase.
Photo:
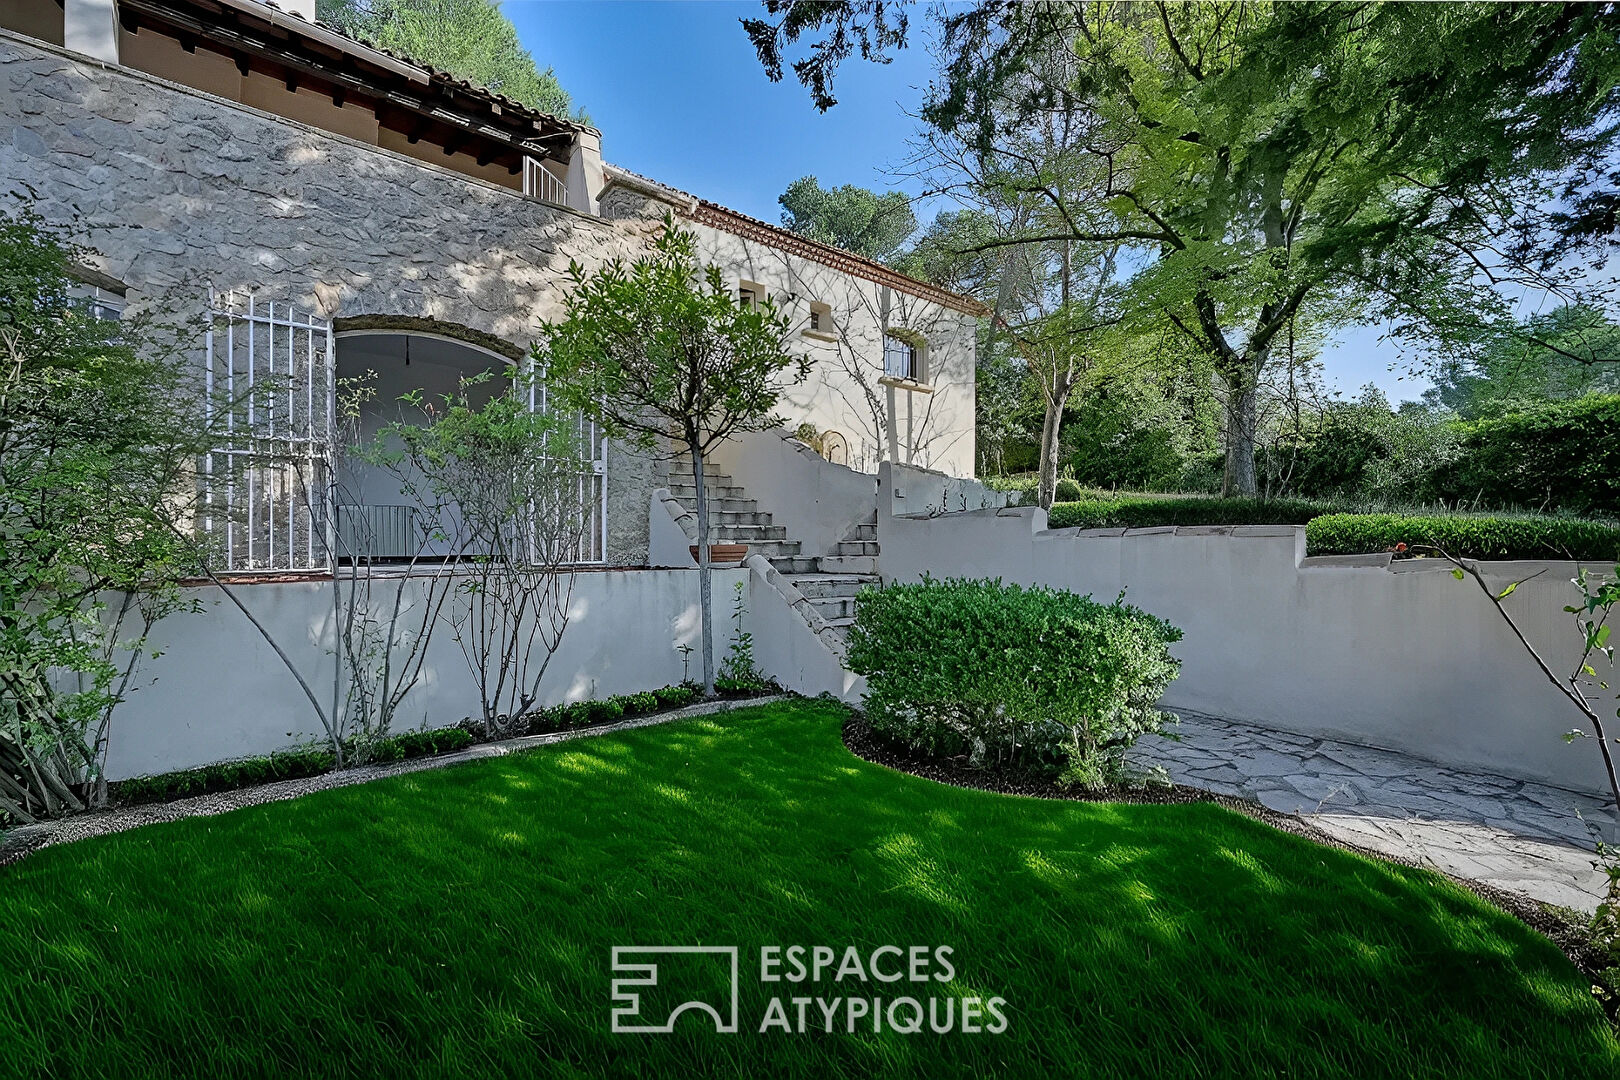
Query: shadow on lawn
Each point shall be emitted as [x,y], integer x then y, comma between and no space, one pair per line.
[461,922]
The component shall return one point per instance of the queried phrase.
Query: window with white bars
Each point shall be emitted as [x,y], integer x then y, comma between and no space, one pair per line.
[267,485]
[900,358]
[270,394]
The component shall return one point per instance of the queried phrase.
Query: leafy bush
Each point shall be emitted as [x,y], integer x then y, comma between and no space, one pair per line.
[1465,536]
[644,702]
[739,674]
[414,744]
[1558,456]
[1035,678]
[1068,491]
[223,776]
[1140,512]
[673,697]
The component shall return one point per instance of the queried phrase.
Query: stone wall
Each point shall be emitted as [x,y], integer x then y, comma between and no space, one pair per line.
[177,191]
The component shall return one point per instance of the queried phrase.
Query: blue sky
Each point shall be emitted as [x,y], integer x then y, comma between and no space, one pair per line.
[679,96]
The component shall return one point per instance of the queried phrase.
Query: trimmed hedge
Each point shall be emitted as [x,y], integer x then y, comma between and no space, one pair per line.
[1464,536]
[313,761]
[1147,511]
[1037,679]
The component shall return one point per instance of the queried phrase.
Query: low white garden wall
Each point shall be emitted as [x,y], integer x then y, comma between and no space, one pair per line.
[219,692]
[1398,655]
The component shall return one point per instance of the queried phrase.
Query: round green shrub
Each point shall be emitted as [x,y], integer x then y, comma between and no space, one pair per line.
[1035,678]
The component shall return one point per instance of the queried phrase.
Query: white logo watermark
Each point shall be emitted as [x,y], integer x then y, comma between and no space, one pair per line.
[831,990]
[624,1015]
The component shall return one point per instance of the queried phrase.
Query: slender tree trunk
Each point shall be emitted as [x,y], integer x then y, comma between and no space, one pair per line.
[704,571]
[1242,418]
[1051,433]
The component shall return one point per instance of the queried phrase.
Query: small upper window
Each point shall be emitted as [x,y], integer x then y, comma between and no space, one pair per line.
[821,318]
[750,294]
[900,359]
[98,301]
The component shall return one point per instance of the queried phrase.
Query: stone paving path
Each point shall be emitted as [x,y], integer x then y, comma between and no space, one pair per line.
[1514,834]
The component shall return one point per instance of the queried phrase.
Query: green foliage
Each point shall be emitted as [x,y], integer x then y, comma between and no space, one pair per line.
[853,218]
[1035,678]
[665,348]
[673,697]
[1556,456]
[101,425]
[456,925]
[1568,352]
[739,674]
[1147,511]
[1069,491]
[312,761]
[471,39]
[1465,536]
[224,776]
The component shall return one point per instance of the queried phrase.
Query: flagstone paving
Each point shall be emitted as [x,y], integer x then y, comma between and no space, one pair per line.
[1514,834]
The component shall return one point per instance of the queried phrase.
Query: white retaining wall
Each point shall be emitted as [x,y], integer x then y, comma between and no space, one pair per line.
[1398,655]
[219,692]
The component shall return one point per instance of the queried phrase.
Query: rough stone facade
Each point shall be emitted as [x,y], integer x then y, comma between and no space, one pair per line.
[178,191]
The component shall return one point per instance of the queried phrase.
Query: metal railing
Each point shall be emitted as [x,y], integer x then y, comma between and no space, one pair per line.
[541,183]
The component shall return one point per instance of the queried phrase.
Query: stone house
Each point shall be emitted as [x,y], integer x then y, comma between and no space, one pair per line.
[240,151]
[321,209]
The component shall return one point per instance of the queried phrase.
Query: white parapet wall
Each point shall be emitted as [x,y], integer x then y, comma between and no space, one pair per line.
[219,692]
[1391,654]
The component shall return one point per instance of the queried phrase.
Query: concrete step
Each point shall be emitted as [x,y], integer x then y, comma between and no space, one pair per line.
[738,517]
[835,607]
[687,494]
[683,464]
[743,534]
[857,547]
[864,532]
[773,549]
[794,563]
[846,564]
[841,622]
[817,586]
[724,506]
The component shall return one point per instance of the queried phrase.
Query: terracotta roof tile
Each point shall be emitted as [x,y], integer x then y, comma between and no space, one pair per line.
[739,224]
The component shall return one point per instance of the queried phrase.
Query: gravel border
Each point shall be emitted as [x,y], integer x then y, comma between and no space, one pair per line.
[1568,936]
[27,839]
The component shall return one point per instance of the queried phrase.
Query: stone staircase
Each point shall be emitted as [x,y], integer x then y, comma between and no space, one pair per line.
[829,582]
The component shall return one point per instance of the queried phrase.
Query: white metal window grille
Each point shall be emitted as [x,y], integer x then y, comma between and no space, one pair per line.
[899,358]
[541,183]
[271,395]
[589,466]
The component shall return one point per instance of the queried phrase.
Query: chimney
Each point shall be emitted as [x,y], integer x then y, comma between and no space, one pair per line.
[585,172]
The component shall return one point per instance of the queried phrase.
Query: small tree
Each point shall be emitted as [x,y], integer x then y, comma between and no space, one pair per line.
[499,486]
[99,433]
[664,347]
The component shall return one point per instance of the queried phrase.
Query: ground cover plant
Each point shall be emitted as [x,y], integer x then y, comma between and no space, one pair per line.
[459,922]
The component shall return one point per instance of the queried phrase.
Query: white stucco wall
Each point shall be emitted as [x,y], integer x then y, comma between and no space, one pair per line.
[843,393]
[1401,656]
[818,502]
[219,692]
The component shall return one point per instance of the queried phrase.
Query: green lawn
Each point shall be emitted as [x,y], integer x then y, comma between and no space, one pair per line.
[460,922]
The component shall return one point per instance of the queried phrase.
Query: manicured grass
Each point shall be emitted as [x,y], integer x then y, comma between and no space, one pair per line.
[460,923]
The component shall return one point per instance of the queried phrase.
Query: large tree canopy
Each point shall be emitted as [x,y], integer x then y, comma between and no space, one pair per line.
[1333,161]
[471,39]
[853,218]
